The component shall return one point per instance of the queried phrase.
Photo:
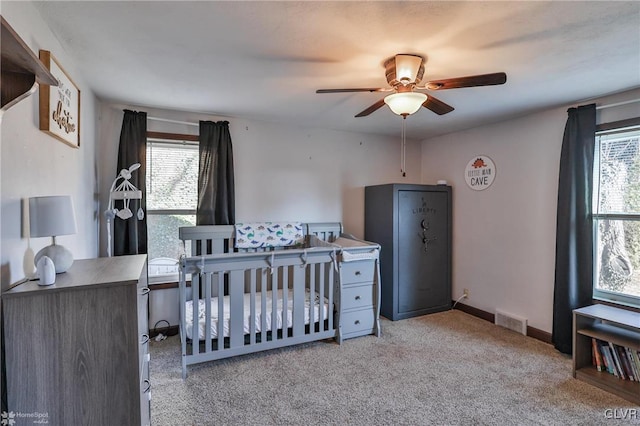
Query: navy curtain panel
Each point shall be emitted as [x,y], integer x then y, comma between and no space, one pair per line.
[216,196]
[574,231]
[130,235]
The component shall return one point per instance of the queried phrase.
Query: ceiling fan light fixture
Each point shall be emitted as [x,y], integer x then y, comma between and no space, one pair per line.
[405,103]
[407,67]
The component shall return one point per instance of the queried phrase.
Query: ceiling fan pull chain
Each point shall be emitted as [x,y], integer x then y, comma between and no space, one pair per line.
[401,135]
[403,148]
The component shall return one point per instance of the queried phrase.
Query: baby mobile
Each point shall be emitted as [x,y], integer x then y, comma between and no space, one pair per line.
[125,192]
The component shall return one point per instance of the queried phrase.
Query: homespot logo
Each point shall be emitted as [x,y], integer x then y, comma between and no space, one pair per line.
[9,418]
[621,413]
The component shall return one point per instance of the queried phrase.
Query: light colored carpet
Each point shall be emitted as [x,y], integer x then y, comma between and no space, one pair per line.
[440,369]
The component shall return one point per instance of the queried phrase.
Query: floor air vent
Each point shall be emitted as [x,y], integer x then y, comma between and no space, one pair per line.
[510,321]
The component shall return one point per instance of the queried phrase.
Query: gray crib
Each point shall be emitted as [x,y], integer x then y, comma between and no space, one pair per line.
[254,299]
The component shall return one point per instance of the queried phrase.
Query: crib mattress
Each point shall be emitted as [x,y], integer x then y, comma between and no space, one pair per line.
[247,312]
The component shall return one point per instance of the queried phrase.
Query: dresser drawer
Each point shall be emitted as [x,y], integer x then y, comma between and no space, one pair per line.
[358,272]
[356,297]
[144,356]
[143,308]
[351,322]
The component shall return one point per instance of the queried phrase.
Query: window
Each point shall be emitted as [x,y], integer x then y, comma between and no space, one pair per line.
[616,216]
[172,196]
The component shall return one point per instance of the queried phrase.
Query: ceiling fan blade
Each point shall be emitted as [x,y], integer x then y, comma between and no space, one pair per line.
[471,81]
[372,108]
[437,106]
[366,89]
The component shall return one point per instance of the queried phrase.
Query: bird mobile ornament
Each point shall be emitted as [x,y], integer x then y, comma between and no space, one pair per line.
[122,190]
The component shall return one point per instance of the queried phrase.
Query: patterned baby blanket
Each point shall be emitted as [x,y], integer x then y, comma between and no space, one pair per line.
[268,234]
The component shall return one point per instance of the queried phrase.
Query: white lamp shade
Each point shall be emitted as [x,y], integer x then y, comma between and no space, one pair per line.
[405,103]
[407,67]
[51,216]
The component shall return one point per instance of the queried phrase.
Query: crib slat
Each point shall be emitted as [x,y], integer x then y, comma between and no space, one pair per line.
[207,313]
[220,319]
[321,286]
[236,309]
[284,312]
[183,317]
[274,304]
[263,304]
[217,246]
[252,313]
[312,294]
[329,286]
[195,300]
[298,301]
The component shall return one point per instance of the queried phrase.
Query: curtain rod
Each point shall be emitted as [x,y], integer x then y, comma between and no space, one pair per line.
[166,120]
[618,104]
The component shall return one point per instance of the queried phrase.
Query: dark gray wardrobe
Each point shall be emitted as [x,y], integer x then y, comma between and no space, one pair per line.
[412,223]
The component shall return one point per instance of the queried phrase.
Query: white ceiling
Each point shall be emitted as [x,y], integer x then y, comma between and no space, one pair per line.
[264,60]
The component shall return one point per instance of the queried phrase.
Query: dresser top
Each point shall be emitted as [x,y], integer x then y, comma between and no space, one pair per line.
[104,271]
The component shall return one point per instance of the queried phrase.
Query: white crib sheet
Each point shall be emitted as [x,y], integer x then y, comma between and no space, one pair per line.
[247,311]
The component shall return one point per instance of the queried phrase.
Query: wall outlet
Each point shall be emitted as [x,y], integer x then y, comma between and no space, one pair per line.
[465,293]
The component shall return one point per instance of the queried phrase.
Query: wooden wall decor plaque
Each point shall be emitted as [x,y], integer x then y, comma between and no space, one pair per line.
[60,106]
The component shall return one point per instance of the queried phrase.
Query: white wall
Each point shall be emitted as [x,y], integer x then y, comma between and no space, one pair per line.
[34,163]
[504,236]
[283,172]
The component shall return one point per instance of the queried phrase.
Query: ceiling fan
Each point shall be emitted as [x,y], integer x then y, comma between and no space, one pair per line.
[404,72]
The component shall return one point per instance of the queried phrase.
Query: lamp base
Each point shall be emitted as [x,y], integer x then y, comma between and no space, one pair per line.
[61,257]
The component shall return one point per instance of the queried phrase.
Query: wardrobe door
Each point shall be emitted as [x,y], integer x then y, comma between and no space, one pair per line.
[423,250]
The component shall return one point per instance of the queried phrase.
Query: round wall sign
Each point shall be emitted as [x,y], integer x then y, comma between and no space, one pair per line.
[480,172]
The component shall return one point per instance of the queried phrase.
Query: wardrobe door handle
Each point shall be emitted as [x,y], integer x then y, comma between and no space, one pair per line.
[148,383]
[144,291]
[145,339]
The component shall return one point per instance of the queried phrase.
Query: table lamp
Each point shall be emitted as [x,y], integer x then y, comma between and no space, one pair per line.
[51,217]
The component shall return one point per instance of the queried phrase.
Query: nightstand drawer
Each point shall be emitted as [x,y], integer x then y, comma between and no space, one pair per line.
[358,272]
[357,321]
[353,297]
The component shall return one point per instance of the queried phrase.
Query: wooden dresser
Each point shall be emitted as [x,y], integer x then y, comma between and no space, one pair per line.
[77,351]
